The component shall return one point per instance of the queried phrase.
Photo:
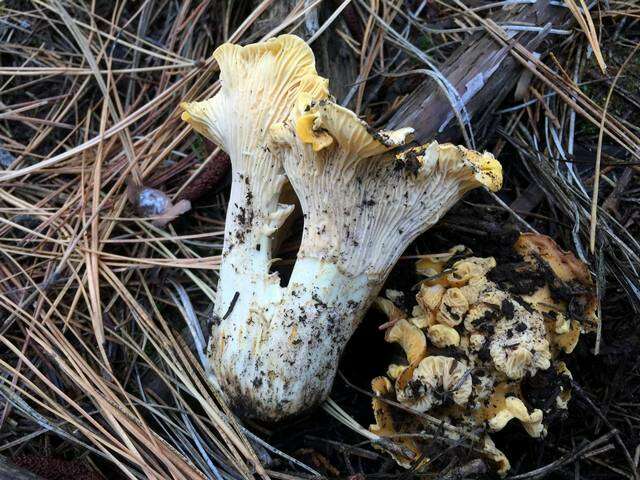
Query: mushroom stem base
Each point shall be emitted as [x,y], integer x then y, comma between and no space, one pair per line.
[276,355]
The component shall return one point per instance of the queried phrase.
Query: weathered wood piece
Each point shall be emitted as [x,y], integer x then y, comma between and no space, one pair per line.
[482,71]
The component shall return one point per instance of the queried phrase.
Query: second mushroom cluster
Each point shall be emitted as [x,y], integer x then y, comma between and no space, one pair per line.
[484,347]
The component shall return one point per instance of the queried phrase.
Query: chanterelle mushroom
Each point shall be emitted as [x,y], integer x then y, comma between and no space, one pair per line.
[274,350]
[437,380]
[495,334]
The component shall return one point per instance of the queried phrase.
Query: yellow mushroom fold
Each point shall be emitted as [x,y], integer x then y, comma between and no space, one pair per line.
[430,297]
[410,338]
[453,306]
[469,271]
[443,336]
[514,408]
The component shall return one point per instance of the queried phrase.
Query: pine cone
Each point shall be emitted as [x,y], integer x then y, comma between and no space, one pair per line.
[208,178]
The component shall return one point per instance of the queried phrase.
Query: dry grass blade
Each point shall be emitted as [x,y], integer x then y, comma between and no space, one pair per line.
[74,276]
[596,176]
[583,17]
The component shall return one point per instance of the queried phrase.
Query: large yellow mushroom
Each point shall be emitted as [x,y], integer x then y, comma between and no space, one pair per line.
[274,349]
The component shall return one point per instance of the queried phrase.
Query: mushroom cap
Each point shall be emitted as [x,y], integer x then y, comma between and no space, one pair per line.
[433,264]
[443,336]
[324,123]
[422,321]
[505,404]
[565,265]
[430,296]
[321,123]
[452,308]
[519,345]
[410,338]
[435,380]
[487,170]
[469,270]
[385,425]
[513,407]
[473,169]
[260,83]
[570,288]
[474,288]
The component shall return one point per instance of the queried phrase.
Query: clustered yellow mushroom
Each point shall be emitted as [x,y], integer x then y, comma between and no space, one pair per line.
[484,342]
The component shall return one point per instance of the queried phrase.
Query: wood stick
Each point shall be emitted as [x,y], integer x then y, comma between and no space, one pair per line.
[482,71]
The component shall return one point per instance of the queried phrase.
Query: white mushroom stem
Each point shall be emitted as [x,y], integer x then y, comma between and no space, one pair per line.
[250,223]
[274,350]
[277,351]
